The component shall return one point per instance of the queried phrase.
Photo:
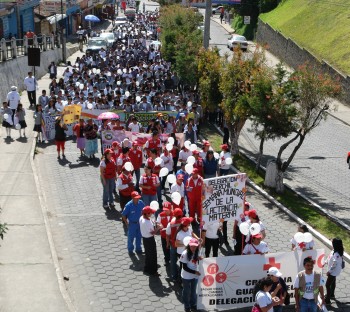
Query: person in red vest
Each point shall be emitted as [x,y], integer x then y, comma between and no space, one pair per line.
[199,163]
[171,232]
[153,143]
[117,150]
[135,156]
[163,220]
[122,159]
[108,175]
[195,191]
[148,184]
[125,186]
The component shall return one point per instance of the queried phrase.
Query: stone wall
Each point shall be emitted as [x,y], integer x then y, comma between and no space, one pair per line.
[13,71]
[293,55]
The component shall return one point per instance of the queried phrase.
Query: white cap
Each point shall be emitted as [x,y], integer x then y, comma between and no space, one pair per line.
[13,88]
[274,272]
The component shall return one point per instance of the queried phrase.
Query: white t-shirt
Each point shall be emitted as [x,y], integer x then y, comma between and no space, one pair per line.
[193,265]
[180,237]
[178,188]
[13,98]
[211,230]
[146,227]
[135,127]
[183,155]
[308,246]
[167,161]
[263,299]
[30,83]
[249,249]
[222,163]
[309,285]
[334,262]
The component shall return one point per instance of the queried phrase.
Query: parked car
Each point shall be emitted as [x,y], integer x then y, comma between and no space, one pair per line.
[237,41]
[216,10]
[120,20]
[95,44]
[109,36]
[130,14]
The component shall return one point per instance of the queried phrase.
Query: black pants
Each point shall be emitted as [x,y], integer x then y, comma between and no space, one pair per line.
[224,232]
[211,243]
[240,239]
[150,255]
[166,251]
[226,136]
[164,180]
[330,286]
[32,97]
[123,200]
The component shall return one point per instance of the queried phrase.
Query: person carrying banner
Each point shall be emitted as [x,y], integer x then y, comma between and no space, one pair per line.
[91,147]
[125,185]
[148,230]
[238,237]
[210,237]
[254,218]
[189,274]
[163,220]
[131,216]
[122,159]
[136,157]
[279,288]
[195,190]
[108,175]
[256,247]
[79,132]
[308,285]
[171,231]
[148,184]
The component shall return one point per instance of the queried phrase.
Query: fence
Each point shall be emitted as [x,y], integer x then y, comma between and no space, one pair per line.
[13,48]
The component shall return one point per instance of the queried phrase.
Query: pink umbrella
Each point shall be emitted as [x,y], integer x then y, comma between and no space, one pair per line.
[108,115]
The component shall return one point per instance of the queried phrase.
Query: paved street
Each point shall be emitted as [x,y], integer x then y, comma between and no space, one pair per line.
[91,244]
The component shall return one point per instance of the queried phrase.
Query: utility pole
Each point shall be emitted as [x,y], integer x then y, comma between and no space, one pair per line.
[206,35]
[63,39]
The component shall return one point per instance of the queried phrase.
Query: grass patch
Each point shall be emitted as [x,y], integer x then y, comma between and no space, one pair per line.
[323,28]
[289,199]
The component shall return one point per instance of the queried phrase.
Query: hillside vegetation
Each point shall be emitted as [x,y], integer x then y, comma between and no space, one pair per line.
[320,26]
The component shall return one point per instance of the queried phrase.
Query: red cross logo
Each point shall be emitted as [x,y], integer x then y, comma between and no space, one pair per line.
[272,263]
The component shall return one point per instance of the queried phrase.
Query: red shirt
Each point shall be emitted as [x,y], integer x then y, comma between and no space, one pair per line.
[136,158]
[194,190]
[149,181]
[199,165]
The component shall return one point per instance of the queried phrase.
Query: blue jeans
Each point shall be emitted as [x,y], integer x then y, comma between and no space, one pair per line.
[137,175]
[308,305]
[148,198]
[134,233]
[173,263]
[108,191]
[189,292]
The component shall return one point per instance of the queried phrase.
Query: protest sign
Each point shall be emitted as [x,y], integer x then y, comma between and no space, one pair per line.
[228,282]
[224,197]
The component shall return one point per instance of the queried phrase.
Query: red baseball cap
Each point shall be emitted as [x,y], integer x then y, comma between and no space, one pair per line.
[195,152]
[206,143]
[186,220]
[177,212]
[115,143]
[195,170]
[180,177]
[251,213]
[135,143]
[167,205]
[257,236]
[135,194]
[224,146]
[147,210]
[108,150]
[193,242]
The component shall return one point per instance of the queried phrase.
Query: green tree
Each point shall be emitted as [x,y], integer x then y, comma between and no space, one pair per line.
[313,92]
[181,39]
[272,107]
[209,72]
[237,80]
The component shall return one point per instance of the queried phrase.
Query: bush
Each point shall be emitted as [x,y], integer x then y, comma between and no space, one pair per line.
[240,28]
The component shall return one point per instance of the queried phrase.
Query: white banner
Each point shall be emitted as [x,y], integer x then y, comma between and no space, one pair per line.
[228,282]
[224,197]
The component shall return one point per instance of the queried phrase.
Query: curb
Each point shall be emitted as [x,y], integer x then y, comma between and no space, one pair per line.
[314,232]
[56,264]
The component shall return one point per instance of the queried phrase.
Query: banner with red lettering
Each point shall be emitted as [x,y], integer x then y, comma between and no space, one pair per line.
[228,282]
[224,197]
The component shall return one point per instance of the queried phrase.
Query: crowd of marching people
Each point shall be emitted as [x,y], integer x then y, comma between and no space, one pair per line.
[159,185]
